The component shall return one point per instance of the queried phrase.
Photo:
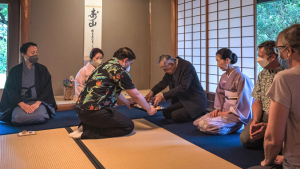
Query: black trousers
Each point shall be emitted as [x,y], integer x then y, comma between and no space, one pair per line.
[177,113]
[104,123]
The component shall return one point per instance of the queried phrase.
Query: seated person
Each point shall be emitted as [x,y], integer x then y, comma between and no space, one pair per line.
[253,134]
[232,100]
[284,116]
[187,96]
[103,89]
[96,57]
[28,97]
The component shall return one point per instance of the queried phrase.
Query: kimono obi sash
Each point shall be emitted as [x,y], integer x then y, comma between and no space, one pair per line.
[230,97]
[27,93]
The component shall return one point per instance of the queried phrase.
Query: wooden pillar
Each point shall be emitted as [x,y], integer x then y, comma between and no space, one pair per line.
[174,28]
[150,41]
[25,21]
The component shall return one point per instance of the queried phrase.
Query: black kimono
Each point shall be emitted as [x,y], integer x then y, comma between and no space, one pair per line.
[12,91]
[189,100]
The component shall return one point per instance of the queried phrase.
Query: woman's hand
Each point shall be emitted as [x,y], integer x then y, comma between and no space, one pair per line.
[217,113]
[214,113]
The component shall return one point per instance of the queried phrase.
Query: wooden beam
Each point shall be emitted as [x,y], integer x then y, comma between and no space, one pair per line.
[25,20]
[265,1]
[207,45]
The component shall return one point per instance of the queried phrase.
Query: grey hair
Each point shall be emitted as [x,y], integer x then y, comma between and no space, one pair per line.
[269,47]
[166,59]
[290,37]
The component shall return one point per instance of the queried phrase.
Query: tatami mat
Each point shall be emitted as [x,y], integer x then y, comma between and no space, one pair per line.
[48,149]
[150,146]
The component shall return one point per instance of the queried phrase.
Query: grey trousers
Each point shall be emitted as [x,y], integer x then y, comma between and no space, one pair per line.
[21,118]
[245,139]
[267,167]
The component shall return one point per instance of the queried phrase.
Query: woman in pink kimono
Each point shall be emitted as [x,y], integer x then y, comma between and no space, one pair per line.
[233,99]
[96,57]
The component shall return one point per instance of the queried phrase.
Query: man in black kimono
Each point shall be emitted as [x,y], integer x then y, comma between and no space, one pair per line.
[28,97]
[186,93]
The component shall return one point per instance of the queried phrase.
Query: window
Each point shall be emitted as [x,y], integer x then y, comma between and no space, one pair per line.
[273,18]
[225,24]
[192,35]
[3,43]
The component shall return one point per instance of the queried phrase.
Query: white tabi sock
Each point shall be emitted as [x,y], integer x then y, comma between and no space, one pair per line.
[78,130]
[77,136]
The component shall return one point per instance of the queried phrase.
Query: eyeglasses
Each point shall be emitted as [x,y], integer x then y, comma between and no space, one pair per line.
[277,50]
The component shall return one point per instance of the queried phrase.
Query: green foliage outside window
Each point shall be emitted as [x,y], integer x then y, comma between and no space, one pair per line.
[273,17]
[3,37]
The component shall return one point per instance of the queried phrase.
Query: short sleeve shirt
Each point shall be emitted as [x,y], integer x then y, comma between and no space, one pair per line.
[285,90]
[104,86]
[263,83]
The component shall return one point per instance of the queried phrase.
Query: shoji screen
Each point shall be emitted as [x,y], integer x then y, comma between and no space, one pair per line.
[192,35]
[227,24]
[231,25]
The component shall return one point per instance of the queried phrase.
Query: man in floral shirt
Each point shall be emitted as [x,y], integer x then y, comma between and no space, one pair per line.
[102,90]
[252,136]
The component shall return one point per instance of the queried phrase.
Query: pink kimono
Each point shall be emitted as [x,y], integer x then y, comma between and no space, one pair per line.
[233,93]
[82,77]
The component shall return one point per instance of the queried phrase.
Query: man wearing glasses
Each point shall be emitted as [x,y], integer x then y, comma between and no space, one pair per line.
[252,136]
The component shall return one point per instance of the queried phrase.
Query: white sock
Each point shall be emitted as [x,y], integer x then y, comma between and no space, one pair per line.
[77,136]
[78,130]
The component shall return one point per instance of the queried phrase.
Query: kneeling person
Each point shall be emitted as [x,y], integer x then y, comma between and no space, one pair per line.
[102,90]
[232,100]
[186,93]
[252,136]
[28,97]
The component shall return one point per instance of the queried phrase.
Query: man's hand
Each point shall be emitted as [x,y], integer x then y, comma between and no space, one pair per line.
[158,99]
[263,163]
[152,110]
[279,160]
[27,108]
[149,96]
[35,105]
[131,101]
[257,130]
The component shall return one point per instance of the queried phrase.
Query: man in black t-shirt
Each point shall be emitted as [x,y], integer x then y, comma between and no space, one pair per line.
[102,91]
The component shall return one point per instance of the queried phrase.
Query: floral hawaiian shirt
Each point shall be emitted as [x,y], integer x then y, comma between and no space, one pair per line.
[104,85]
[263,83]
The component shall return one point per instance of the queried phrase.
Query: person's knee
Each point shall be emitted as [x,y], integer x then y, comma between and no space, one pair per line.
[244,139]
[17,121]
[41,120]
[130,127]
[177,118]
[167,114]
[248,143]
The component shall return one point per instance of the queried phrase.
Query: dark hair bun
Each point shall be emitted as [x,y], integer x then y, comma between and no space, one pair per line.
[94,52]
[234,58]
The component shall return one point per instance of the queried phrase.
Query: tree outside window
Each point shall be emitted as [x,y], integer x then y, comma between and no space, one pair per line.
[3,43]
[273,17]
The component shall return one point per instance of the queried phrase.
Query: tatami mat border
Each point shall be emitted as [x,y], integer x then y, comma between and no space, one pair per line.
[87,152]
